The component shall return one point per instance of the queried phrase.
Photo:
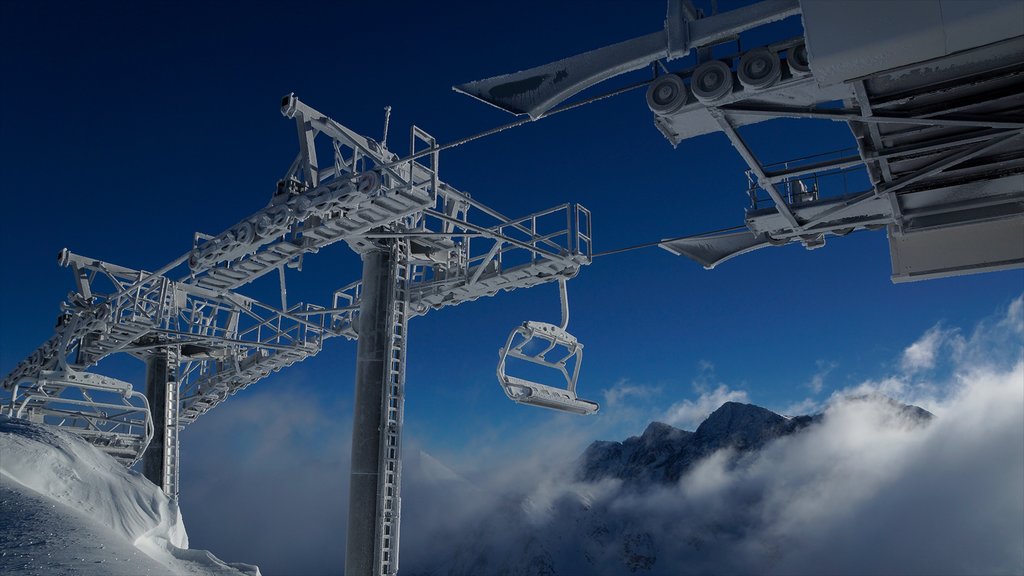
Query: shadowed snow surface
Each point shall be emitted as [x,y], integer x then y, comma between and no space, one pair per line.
[67,508]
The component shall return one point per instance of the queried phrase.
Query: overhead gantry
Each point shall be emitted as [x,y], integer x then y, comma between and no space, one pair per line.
[425,245]
[932,92]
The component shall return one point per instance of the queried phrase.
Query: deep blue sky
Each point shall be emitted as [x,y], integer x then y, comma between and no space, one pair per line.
[128,126]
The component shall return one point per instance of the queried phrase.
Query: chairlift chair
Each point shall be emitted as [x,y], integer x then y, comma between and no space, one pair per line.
[561,349]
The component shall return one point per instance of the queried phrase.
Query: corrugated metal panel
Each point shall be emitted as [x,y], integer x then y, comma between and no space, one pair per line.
[953,251]
[854,38]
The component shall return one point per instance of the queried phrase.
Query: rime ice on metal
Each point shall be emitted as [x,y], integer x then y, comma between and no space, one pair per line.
[425,246]
[930,90]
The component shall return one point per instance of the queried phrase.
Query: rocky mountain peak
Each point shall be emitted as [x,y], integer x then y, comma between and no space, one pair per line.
[744,426]
[663,453]
[657,432]
[913,415]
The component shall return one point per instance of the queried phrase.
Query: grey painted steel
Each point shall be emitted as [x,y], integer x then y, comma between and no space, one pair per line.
[368,412]
[539,89]
[755,166]
[160,461]
[156,395]
[450,249]
[849,39]
[983,246]
[229,341]
[710,251]
[558,349]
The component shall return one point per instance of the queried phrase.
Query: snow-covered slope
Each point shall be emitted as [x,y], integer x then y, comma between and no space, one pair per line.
[67,508]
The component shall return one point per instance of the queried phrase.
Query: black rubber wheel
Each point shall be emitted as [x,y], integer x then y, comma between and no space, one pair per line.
[796,57]
[711,81]
[759,69]
[666,95]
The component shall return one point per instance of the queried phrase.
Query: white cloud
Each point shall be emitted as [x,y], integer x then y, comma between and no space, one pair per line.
[865,491]
[1013,321]
[817,382]
[803,407]
[862,493]
[688,414]
[923,354]
[623,389]
[263,490]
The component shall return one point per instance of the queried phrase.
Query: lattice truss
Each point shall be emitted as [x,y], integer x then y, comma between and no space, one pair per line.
[459,250]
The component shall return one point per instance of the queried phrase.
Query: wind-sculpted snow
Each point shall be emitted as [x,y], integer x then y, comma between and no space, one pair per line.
[62,467]
[69,508]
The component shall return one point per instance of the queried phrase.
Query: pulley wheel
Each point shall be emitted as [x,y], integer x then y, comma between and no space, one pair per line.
[759,69]
[797,59]
[244,233]
[711,81]
[279,217]
[666,95]
[263,226]
[368,182]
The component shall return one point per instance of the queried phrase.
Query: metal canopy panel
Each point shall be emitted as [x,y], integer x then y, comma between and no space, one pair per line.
[849,39]
[965,249]
[710,251]
[537,90]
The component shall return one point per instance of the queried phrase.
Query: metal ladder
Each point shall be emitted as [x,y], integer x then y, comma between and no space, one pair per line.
[170,431]
[393,398]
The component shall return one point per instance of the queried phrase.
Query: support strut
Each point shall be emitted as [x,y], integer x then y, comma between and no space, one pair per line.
[375,483]
[160,462]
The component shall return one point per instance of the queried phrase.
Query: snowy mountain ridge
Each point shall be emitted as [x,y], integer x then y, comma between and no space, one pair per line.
[663,453]
[600,520]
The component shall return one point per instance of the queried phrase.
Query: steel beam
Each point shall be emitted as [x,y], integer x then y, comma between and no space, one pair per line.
[160,462]
[371,358]
[945,162]
[755,166]
[852,115]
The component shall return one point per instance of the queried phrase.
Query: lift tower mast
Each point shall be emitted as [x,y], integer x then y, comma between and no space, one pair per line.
[375,483]
[425,245]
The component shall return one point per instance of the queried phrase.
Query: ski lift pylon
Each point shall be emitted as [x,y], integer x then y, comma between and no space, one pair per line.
[560,350]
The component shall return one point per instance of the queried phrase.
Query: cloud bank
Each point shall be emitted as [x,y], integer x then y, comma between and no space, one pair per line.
[265,481]
[865,491]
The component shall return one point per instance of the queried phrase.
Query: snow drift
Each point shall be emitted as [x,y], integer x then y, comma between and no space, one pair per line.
[88,493]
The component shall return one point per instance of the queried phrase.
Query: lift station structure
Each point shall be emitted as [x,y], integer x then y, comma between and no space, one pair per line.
[933,94]
[424,244]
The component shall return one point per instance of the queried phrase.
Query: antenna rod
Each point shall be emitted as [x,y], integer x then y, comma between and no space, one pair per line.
[387,122]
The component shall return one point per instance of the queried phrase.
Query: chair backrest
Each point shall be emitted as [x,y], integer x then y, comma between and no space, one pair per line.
[561,351]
